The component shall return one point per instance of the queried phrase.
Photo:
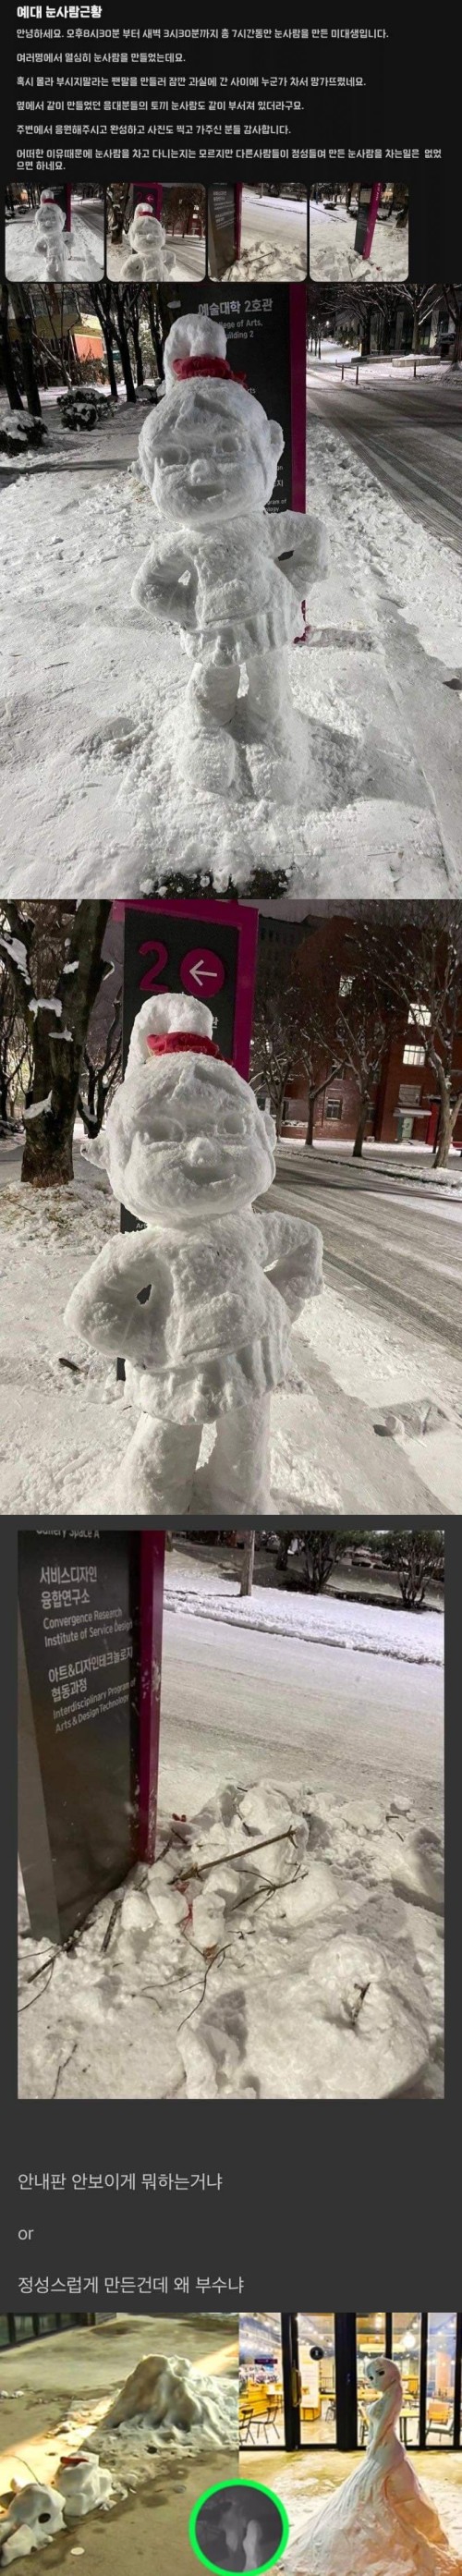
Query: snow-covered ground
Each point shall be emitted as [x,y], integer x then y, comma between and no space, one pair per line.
[83,246]
[332,251]
[273,241]
[91,791]
[64,1423]
[366,1628]
[186,257]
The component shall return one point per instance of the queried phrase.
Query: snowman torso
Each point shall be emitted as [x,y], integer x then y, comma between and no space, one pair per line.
[239,599]
[225,1333]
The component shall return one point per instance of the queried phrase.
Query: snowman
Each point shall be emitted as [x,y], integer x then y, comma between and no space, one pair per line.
[231,578]
[200,1304]
[148,256]
[49,236]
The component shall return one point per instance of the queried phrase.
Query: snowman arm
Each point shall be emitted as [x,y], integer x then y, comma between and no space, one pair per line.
[166,583]
[299,545]
[292,1254]
[104,1306]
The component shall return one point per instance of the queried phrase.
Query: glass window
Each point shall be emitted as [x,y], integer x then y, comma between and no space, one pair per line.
[407,2330]
[441,2359]
[370,2340]
[316,2353]
[261,2402]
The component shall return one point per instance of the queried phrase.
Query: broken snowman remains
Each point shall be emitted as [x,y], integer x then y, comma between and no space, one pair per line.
[188,1151]
[231,578]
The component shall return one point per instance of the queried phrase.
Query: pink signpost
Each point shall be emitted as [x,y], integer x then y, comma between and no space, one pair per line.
[149,196]
[373,213]
[238,220]
[151,1602]
[297,330]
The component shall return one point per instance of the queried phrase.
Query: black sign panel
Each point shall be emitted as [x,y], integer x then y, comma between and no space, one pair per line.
[175,951]
[222,228]
[258,337]
[78,1706]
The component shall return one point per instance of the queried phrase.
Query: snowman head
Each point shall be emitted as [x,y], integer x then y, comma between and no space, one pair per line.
[51,217]
[208,452]
[184,1140]
[383,2375]
[146,233]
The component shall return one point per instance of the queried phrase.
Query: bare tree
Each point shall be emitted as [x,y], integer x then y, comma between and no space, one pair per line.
[417,1557]
[101,1069]
[417,953]
[367,1014]
[56,998]
[277,1027]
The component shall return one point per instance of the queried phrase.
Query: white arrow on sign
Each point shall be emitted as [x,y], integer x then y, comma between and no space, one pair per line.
[203,974]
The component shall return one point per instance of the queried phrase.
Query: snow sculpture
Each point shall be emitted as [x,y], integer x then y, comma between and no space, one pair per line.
[187,1151]
[381,2518]
[35,2514]
[230,577]
[147,257]
[49,236]
[83,2485]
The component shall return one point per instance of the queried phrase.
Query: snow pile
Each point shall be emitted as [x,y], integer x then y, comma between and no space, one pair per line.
[414,1637]
[332,246]
[420,572]
[166,2405]
[290,1944]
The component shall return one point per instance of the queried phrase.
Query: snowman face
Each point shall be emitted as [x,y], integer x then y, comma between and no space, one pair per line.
[51,219]
[188,1145]
[383,2375]
[203,463]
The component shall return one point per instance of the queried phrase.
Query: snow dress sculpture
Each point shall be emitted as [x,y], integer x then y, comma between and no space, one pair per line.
[147,256]
[381,2518]
[188,1151]
[229,576]
[49,236]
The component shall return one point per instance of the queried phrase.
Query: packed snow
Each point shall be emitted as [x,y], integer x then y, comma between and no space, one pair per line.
[167,2409]
[110,785]
[332,251]
[285,1944]
[303,2503]
[65,1419]
[413,1636]
[187,1151]
[273,241]
[82,248]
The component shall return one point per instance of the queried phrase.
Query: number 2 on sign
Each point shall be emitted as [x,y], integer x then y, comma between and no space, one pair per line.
[153,948]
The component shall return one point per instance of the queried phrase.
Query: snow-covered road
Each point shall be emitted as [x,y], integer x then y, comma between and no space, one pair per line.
[238,1704]
[408,431]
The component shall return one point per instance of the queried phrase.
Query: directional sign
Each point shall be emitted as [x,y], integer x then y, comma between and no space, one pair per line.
[224,228]
[90,1604]
[266,342]
[206,949]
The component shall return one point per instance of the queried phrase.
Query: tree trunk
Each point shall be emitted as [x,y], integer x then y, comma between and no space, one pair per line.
[415,331]
[6,358]
[126,364]
[137,346]
[58,1031]
[30,379]
[248,1563]
[310,1119]
[361,1130]
[47,1158]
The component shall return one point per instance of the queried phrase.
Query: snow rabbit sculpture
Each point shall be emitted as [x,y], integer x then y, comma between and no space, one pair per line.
[230,577]
[188,1151]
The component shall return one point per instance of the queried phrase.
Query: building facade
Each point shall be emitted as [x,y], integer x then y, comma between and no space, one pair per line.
[304,2378]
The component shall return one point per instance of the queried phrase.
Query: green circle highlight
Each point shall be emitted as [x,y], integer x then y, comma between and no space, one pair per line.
[223,2485]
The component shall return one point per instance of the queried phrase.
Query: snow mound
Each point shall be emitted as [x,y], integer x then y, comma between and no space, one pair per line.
[166,2405]
[290,1942]
[414,1637]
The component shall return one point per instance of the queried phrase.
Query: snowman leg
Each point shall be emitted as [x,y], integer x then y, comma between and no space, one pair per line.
[275,728]
[268,696]
[157,1472]
[209,754]
[237,1473]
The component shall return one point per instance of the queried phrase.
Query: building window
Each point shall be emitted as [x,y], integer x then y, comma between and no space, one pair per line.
[334,1108]
[407,2332]
[441,2362]
[413,1055]
[261,2400]
[316,2356]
